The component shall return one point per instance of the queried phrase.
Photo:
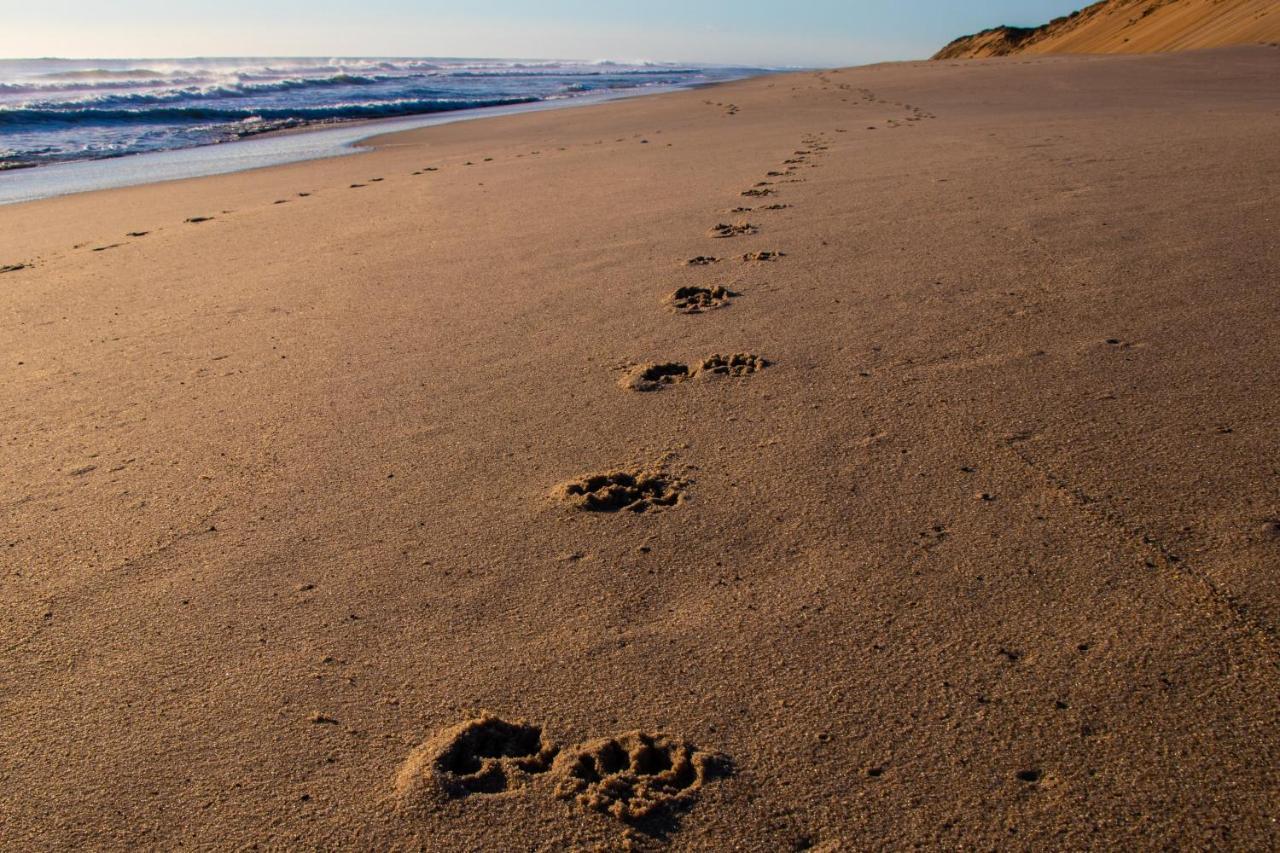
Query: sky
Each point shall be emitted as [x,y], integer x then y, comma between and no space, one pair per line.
[750,32]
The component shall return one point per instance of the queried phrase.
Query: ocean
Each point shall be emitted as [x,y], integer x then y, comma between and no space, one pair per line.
[60,110]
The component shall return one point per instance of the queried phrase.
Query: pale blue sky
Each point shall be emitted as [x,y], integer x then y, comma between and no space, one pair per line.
[797,32]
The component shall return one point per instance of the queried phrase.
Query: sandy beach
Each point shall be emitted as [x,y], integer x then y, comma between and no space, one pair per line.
[828,461]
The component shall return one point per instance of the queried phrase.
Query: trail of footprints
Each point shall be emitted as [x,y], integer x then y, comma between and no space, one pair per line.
[636,775]
[645,490]
[633,776]
[196,220]
[762,189]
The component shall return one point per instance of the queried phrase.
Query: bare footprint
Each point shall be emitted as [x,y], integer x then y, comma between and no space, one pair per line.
[634,491]
[485,755]
[655,377]
[695,300]
[637,775]
[737,364]
[733,230]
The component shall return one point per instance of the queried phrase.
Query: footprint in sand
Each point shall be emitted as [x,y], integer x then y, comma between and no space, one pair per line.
[634,491]
[137,233]
[485,755]
[758,193]
[198,219]
[656,376]
[701,261]
[357,186]
[695,300]
[733,230]
[737,364]
[637,775]
[104,248]
[762,257]
[12,267]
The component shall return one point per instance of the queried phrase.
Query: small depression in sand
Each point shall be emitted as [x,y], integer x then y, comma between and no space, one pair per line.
[737,364]
[695,300]
[657,376]
[636,775]
[634,491]
[485,755]
[735,229]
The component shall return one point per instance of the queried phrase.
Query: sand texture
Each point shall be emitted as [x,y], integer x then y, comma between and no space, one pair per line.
[480,493]
[1131,26]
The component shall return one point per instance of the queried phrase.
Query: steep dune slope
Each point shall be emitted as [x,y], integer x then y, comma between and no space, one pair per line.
[1131,26]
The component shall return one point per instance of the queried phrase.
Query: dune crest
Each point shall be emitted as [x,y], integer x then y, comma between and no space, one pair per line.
[1130,26]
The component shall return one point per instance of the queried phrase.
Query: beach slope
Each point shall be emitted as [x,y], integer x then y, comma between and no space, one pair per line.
[836,461]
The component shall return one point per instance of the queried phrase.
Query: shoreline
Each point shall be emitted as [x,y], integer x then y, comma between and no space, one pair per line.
[344,138]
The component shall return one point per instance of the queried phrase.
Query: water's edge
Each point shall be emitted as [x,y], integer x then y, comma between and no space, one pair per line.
[272,149]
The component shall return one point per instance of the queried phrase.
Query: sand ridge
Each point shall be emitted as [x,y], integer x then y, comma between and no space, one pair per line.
[1131,26]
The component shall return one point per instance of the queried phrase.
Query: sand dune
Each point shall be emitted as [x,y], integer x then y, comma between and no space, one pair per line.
[1131,26]
[479,493]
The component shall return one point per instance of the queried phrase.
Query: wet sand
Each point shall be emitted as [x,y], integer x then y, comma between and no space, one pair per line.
[406,501]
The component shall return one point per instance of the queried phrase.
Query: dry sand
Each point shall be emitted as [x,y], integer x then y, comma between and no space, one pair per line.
[298,542]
